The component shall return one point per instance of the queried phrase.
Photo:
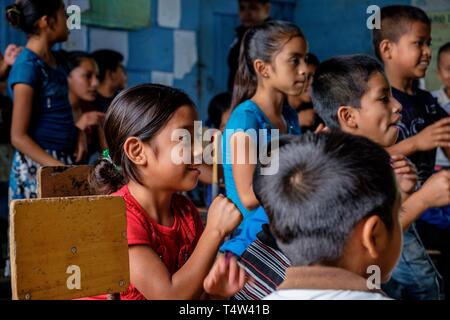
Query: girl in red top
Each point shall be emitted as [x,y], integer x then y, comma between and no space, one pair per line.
[170,252]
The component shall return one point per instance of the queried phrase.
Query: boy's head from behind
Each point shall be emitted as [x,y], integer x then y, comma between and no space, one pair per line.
[404,40]
[334,202]
[444,66]
[352,93]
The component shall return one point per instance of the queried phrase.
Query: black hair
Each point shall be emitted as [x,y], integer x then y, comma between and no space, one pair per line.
[140,112]
[107,60]
[322,190]
[341,81]
[24,14]
[75,58]
[260,42]
[312,59]
[396,21]
[217,107]
[444,49]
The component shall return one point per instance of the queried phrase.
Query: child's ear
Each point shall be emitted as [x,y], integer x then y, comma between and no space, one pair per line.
[43,22]
[373,231]
[386,49]
[346,117]
[261,68]
[135,151]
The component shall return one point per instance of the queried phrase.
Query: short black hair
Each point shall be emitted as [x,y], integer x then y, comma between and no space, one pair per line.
[395,22]
[326,184]
[311,59]
[342,81]
[107,60]
[444,49]
[75,58]
[217,107]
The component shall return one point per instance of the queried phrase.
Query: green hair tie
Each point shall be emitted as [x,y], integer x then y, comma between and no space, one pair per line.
[107,156]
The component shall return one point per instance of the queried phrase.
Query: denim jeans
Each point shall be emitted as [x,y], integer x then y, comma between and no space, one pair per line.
[415,277]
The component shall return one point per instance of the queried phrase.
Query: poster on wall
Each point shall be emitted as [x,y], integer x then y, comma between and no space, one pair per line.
[119,14]
[439,13]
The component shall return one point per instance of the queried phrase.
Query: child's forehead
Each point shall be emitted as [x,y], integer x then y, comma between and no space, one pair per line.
[295,45]
[377,82]
[416,29]
[184,117]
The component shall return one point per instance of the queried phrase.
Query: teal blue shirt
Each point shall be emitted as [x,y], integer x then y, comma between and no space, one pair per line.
[245,117]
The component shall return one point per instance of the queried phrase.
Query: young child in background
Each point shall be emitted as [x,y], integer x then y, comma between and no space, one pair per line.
[352,94]
[83,84]
[170,252]
[251,13]
[43,129]
[112,76]
[333,229]
[271,67]
[443,96]
[403,44]
[308,118]
[219,111]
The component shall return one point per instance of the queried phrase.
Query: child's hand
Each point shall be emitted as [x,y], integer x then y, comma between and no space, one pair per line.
[307,117]
[434,136]
[93,118]
[405,172]
[223,216]
[322,129]
[225,279]
[11,53]
[436,191]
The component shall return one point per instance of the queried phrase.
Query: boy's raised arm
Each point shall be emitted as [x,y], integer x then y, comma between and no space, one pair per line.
[434,136]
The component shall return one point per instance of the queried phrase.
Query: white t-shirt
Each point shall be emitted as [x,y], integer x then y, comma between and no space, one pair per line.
[296,294]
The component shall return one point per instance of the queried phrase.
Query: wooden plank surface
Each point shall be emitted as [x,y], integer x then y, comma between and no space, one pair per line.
[70,181]
[49,236]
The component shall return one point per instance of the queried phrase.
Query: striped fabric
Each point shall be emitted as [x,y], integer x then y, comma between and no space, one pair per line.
[266,268]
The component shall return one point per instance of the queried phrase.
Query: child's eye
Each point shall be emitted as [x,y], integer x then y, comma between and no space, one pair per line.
[385,99]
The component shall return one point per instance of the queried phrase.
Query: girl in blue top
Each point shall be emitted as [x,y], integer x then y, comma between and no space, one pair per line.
[271,67]
[43,129]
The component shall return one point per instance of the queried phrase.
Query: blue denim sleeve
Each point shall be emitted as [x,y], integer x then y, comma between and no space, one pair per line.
[439,217]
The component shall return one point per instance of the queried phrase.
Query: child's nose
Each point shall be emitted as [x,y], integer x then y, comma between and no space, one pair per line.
[397,107]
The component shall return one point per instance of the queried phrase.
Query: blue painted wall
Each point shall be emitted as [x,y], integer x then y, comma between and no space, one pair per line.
[332,26]
[336,27]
